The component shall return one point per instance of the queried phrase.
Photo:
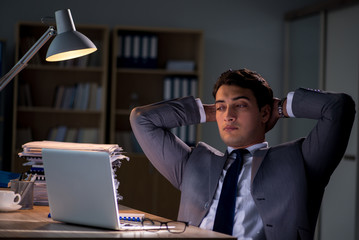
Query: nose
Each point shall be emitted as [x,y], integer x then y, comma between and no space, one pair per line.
[229,115]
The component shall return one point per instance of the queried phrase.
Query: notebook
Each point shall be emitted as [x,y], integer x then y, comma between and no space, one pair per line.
[81,189]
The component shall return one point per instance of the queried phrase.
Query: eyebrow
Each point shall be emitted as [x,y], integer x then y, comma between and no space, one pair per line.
[233,99]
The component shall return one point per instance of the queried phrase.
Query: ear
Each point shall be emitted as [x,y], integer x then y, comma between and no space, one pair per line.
[266,113]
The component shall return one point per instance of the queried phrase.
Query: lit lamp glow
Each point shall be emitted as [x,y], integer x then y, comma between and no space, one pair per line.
[67,44]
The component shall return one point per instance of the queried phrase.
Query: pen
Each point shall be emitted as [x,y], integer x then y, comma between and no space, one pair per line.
[27,187]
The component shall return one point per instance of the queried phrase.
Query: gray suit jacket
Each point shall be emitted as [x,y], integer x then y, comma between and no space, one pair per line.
[288,180]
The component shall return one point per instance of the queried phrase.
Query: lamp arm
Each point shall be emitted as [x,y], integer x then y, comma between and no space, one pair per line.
[22,63]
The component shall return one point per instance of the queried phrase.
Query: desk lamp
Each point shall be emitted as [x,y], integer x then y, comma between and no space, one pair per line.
[67,44]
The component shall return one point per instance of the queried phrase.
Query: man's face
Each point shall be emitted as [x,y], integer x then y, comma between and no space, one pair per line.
[239,120]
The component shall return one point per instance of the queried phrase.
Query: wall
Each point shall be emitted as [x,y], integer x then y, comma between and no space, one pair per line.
[342,71]
[328,57]
[238,34]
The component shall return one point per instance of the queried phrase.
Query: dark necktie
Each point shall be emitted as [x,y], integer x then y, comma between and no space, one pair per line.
[226,206]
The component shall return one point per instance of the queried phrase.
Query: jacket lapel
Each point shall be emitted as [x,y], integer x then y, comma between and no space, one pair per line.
[258,157]
[217,164]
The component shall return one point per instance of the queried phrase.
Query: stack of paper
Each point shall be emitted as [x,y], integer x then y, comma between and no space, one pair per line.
[34,149]
[32,152]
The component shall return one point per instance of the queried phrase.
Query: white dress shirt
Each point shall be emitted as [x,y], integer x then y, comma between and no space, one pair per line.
[248,224]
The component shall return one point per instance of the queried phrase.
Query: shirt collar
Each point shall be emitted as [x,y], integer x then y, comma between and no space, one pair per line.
[252,148]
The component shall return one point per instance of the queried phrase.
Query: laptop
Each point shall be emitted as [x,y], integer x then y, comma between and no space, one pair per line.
[81,189]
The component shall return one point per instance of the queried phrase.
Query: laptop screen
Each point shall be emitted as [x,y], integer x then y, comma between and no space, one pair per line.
[81,187]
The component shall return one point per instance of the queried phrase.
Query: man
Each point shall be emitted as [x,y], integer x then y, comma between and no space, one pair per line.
[279,189]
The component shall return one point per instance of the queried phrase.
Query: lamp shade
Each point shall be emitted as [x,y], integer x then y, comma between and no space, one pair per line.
[68,43]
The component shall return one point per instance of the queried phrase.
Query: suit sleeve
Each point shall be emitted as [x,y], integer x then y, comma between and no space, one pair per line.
[151,126]
[325,145]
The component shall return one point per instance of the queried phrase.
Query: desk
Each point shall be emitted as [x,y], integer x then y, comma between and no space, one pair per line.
[34,224]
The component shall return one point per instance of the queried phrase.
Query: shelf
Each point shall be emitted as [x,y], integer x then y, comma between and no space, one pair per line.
[125,112]
[154,71]
[56,111]
[42,67]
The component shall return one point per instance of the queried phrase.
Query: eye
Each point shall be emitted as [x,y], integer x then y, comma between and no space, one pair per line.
[220,108]
[241,105]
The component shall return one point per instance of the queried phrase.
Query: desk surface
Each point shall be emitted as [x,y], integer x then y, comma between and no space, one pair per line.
[34,224]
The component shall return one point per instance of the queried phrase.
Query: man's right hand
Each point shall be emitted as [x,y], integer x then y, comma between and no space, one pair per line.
[210,110]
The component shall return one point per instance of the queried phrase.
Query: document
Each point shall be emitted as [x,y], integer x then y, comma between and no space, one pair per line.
[34,149]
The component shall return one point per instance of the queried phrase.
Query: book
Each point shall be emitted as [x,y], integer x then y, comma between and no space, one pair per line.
[71,135]
[52,134]
[61,133]
[92,102]
[5,178]
[68,97]
[81,96]
[25,98]
[99,98]
[79,92]
[59,95]
[85,96]
[88,135]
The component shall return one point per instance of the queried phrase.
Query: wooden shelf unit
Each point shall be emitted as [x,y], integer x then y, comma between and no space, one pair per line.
[142,185]
[36,87]
[146,83]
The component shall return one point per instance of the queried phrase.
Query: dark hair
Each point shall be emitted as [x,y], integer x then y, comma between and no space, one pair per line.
[247,79]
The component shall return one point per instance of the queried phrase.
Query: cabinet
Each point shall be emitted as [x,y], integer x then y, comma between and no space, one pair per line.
[149,65]
[63,101]
[322,51]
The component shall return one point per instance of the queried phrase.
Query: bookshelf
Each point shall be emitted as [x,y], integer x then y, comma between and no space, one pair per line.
[149,65]
[139,84]
[53,99]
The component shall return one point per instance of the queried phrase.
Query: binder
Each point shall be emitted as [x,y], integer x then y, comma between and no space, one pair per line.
[136,41]
[127,58]
[153,51]
[120,50]
[167,88]
[145,51]
[137,50]
[177,87]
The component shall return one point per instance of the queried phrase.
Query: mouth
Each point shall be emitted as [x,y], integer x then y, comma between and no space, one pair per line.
[230,128]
